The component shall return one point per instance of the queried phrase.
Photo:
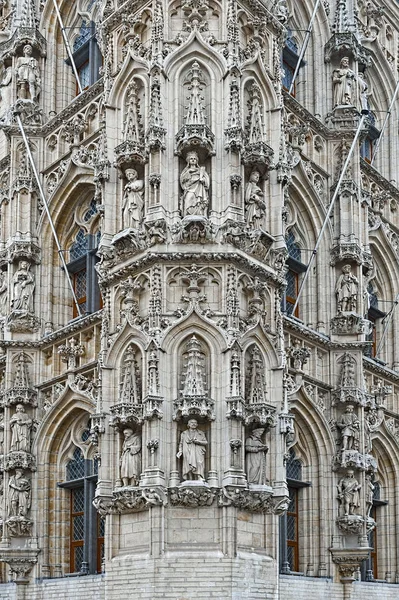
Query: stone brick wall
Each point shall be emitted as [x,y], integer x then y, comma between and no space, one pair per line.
[76,588]
[306,588]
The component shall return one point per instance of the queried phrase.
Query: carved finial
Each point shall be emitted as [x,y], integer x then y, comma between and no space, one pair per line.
[256,385]
[130,384]
[194,378]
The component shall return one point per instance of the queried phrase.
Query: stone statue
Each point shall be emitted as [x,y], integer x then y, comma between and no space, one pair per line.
[192,448]
[5,89]
[363,91]
[19,495]
[346,290]
[369,494]
[131,458]
[350,429]
[194,181]
[255,457]
[348,494]
[21,426]
[133,203]
[343,80]
[24,286]
[3,294]
[254,204]
[28,76]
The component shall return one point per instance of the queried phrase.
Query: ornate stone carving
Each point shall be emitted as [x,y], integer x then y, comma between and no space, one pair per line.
[70,353]
[257,243]
[155,134]
[131,458]
[349,426]
[346,324]
[23,289]
[257,502]
[344,84]
[130,390]
[347,391]
[18,460]
[18,526]
[130,500]
[192,450]
[191,496]
[132,149]
[194,181]
[195,131]
[298,354]
[21,391]
[153,400]
[350,524]
[256,151]
[194,399]
[255,457]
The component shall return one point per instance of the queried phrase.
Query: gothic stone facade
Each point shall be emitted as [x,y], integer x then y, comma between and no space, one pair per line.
[196,423]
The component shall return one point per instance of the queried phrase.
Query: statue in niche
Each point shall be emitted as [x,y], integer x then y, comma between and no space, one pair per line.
[346,290]
[192,449]
[19,497]
[28,76]
[343,80]
[254,204]
[24,286]
[5,89]
[348,494]
[3,294]
[363,91]
[194,181]
[255,457]
[349,426]
[133,203]
[369,494]
[21,426]
[131,458]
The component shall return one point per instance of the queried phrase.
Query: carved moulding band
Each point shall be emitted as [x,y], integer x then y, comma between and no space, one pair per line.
[129,500]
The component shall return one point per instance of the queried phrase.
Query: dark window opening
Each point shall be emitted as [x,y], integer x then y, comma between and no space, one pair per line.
[81,266]
[374,314]
[369,569]
[86,526]
[289,62]
[367,146]
[86,55]
[295,268]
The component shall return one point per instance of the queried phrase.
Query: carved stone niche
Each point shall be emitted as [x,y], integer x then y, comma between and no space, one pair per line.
[195,134]
[194,400]
[21,391]
[257,411]
[132,151]
[256,152]
[129,410]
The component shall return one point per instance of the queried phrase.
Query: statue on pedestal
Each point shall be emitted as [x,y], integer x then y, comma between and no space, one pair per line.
[28,76]
[133,203]
[255,457]
[344,81]
[350,429]
[192,449]
[254,204]
[346,290]
[131,458]
[20,425]
[19,494]
[348,494]
[194,181]
[24,286]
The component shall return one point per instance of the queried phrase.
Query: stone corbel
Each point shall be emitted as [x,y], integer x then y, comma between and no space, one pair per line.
[21,561]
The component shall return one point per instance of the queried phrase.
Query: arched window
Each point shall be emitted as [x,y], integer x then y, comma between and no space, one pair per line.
[86,53]
[290,522]
[295,267]
[81,265]
[86,526]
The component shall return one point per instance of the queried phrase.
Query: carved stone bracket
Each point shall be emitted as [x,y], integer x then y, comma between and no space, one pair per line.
[19,527]
[97,426]
[354,459]
[349,323]
[350,251]
[192,496]
[130,499]
[129,153]
[20,250]
[353,524]
[20,560]
[346,42]
[191,406]
[18,460]
[349,395]
[126,415]
[22,322]
[260,414]
[257,243]
[152,407]
[349,561]
[252,501]
[19,395]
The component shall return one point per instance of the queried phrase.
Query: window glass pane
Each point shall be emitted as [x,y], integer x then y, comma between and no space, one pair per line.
[101,527]
[75,468]
[80,284]
[78,502]
[78,552]
[84,35]
[79,247]
[92,210]
[294,467]
[84,75]
[291,528]
[290,557]
[293,249]
[291,284]
[78,528]
[287,76]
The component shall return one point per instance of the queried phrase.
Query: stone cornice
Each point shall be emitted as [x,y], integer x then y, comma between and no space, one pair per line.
[378,178]
[377,369]
[251,265]
[293,104]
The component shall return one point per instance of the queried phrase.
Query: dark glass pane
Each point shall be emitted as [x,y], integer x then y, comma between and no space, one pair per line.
[291,43]
[291,284]
[80,284]
[85,435]
[290,557]
[92,210]
[79,247]
[78,500]
[95,466]
[291,533]
[78,558]
[294,467]
[373,298]
[288,75]
[84,35]
[293,249]
[101,527]
[75,468]
[376,491]
[78,528]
